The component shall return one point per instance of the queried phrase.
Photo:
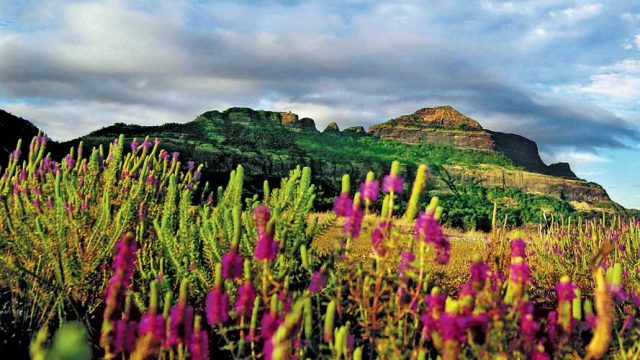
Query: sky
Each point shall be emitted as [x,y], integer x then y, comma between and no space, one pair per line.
[563,73]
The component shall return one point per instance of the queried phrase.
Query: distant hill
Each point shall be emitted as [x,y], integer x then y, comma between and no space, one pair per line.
[445,125]
[467,165]
[13,128]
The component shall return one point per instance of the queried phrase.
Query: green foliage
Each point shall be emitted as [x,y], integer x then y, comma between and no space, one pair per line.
[471,207]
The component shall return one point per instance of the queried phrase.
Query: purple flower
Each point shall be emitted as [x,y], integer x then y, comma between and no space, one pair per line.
[175,155]
[565,291]
[69,161]
[392,183]
[318,281]
[343,205]
[378,236]
[244,302]
[177,322]
[353,223]
[231,265]
[191,164]
[427,228]
[518,248]
[528,328]
[123,266]
[369,190]
[270,323]
[217,305]
[130,336]
[266,247]
[145,144]
[152,324]
[519,272]
[199,345]
[406,260]
[134,145]
[478,274]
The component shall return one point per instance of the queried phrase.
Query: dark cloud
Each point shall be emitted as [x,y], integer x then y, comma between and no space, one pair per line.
[357,66]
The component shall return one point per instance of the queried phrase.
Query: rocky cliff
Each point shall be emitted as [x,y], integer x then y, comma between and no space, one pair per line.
[446,126]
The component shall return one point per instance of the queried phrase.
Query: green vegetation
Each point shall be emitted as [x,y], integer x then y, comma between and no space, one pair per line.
[470,207]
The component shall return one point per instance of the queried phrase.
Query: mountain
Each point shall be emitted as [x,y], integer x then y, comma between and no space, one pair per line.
[13,128]
[444,125]
[471,168]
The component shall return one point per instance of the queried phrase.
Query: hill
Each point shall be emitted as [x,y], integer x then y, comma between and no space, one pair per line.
[269,144]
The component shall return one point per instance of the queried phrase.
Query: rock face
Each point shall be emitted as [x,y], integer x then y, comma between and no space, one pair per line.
[355,130]
[567,189]
[332,128]
[446,126]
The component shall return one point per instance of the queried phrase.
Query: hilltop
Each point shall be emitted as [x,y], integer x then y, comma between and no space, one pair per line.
[504,168]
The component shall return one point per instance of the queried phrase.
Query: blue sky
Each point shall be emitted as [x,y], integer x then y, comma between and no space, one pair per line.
[564,73]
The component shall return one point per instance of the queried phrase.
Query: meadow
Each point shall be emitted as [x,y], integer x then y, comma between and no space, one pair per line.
[123,252]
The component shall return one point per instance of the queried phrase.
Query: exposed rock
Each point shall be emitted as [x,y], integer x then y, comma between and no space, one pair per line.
[438,117]
[355,130]
[304,124]
[524,152]
[332,128]
[566,189]
[446,126]
[289,117]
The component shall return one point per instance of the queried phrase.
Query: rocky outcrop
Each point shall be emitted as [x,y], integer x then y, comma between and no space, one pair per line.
[446,126]
[332,128]
[304,124]
[524,152]
[355,131]
[562,188]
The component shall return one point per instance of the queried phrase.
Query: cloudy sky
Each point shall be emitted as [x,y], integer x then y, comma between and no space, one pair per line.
[564,73]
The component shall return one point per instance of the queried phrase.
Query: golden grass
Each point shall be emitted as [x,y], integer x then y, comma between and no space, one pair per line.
[463,247]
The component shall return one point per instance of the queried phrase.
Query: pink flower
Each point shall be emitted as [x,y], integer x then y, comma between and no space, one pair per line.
[369,190]
[518,248]
[199,345]
[392,183]
[217,305]
[318,281]
[231,265]
[353,222]
[343,205]
[519,272]
[123,266]
[244,302]
[270,323]
[378,236]
[266,247]
[152,324]
[406,260]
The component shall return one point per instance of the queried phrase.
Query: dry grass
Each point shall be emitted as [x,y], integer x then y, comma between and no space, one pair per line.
[463,247]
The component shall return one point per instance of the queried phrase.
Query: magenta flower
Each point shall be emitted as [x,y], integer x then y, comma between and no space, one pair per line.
[217,305]
[134,145]
[231,265]
[427,228]
[406,260]
[270,323]
[478,274]
[343,205]
[392,183]
[369,190]
[266,247]
[244,302]
[180,323]
[518,248]
[353,222]
[318,281]
[528,328]
[199,345]
[565,291]
[519,272]
[152,324]
[378,236]
[123,267]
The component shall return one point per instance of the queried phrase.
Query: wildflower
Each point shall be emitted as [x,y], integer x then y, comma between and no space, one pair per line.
[199,342]
[353,222]
[244,302]
[191,165]
[134,145]
[152,324]
[217,305]
[369,190]
[231,264]
[565,292]
[392,183]
[528,328]
[146,144]
[270,323]
[378,236]
[518,248]
[429,230]
[69,161]
[405,267]
[266,247]
[342,205]
[318,281]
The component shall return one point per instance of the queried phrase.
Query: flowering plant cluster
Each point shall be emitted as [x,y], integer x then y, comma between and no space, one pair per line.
[126,240]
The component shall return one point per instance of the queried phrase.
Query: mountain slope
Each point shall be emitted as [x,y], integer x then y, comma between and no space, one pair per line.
[269,144]
[445,125]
